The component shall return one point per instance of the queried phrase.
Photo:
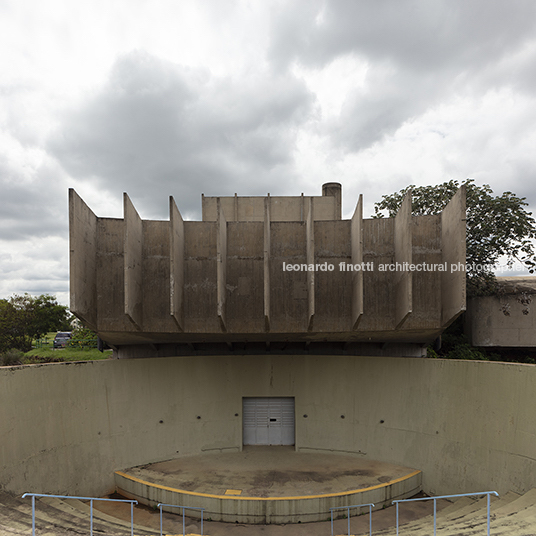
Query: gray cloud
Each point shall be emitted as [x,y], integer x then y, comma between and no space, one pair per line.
[417,52]
[158,128]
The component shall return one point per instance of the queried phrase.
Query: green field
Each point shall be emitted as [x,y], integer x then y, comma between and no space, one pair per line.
[43,352]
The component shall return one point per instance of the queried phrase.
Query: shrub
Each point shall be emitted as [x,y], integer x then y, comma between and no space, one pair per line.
[11,357]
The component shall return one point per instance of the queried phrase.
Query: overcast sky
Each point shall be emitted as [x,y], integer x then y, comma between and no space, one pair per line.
[166,97]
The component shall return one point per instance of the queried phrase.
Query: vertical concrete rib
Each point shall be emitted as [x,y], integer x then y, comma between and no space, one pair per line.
[221,264]
[82,260]
[403,276]
[176,259]
[356,237]
[310,255]
[133,263]
[267,219]
[453,279]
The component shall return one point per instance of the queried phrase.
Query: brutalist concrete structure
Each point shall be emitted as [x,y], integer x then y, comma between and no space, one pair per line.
[268,274]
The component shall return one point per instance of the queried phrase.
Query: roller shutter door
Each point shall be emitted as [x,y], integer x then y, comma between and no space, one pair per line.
[268,421]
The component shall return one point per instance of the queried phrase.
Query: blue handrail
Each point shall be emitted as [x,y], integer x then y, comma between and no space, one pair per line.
[90,499]
[370,505]
[183,520]
[487,493]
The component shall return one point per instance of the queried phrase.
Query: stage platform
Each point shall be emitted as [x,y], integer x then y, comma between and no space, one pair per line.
[268,484]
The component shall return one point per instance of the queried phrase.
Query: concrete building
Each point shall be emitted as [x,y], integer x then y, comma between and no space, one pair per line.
[277,274]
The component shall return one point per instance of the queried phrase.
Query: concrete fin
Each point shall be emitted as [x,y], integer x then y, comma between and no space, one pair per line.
[356,235]
[267,219]
[310,256]
[221,265]
[133,243]
[176,259]
[82,260]
[453,282]
[403,276]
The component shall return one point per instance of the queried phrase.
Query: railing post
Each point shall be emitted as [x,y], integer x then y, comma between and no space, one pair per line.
[160,519]
[331,510]
[489,500]
[183,523]
[370,519]
[131,519]
[33,515]
[435,517]
[396,518]
[348,514]
[91,517]
[202,522]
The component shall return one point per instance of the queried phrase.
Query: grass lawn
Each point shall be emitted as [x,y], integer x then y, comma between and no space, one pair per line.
[43,352]
[48,355]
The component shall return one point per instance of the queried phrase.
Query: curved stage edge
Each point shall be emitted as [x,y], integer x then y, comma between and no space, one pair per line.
[266,509]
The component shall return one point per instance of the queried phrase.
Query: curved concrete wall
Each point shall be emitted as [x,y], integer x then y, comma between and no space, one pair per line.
[469,426]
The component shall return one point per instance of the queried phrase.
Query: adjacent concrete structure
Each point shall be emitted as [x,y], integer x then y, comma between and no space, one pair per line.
[507,319]
[277,274]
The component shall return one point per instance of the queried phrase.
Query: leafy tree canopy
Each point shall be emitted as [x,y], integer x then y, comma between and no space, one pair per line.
[496,225]
[25,317]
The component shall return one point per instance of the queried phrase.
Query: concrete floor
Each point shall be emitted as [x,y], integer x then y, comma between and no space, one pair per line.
[269,472]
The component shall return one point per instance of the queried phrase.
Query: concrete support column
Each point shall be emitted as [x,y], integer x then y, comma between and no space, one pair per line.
[310,256]
[176,259]
[133,263]
[453,221]
[221,265]
[356,236]
[267,219]
[82,260]
[403,277]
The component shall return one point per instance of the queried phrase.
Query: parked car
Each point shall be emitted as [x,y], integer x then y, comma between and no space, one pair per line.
[62,339]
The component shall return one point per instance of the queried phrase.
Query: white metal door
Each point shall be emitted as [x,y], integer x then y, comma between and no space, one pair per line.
[268,421]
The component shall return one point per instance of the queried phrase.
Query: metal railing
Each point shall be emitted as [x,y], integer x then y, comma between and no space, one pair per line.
[159,505]
[90,499]
[487,493]
[370,505]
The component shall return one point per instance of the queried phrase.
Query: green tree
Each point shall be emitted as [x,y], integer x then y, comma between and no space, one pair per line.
[497,226]
[25,317]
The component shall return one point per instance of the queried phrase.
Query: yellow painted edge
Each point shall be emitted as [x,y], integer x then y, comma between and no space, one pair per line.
[198,494]
[233,492]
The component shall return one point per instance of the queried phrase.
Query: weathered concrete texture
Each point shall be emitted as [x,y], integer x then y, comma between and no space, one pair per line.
[176,275]
[507,319]
[467,425]
[268,270]
[83,258]
[356,238]
[326,207]
[403,279]
[133,266]
[453,244]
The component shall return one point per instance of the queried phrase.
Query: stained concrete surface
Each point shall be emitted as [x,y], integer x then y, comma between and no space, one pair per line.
[268,471]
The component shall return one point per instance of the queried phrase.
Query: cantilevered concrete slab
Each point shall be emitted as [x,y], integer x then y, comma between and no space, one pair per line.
[268,274]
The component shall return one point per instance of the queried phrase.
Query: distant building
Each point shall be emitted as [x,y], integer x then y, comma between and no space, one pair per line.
[507,319]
